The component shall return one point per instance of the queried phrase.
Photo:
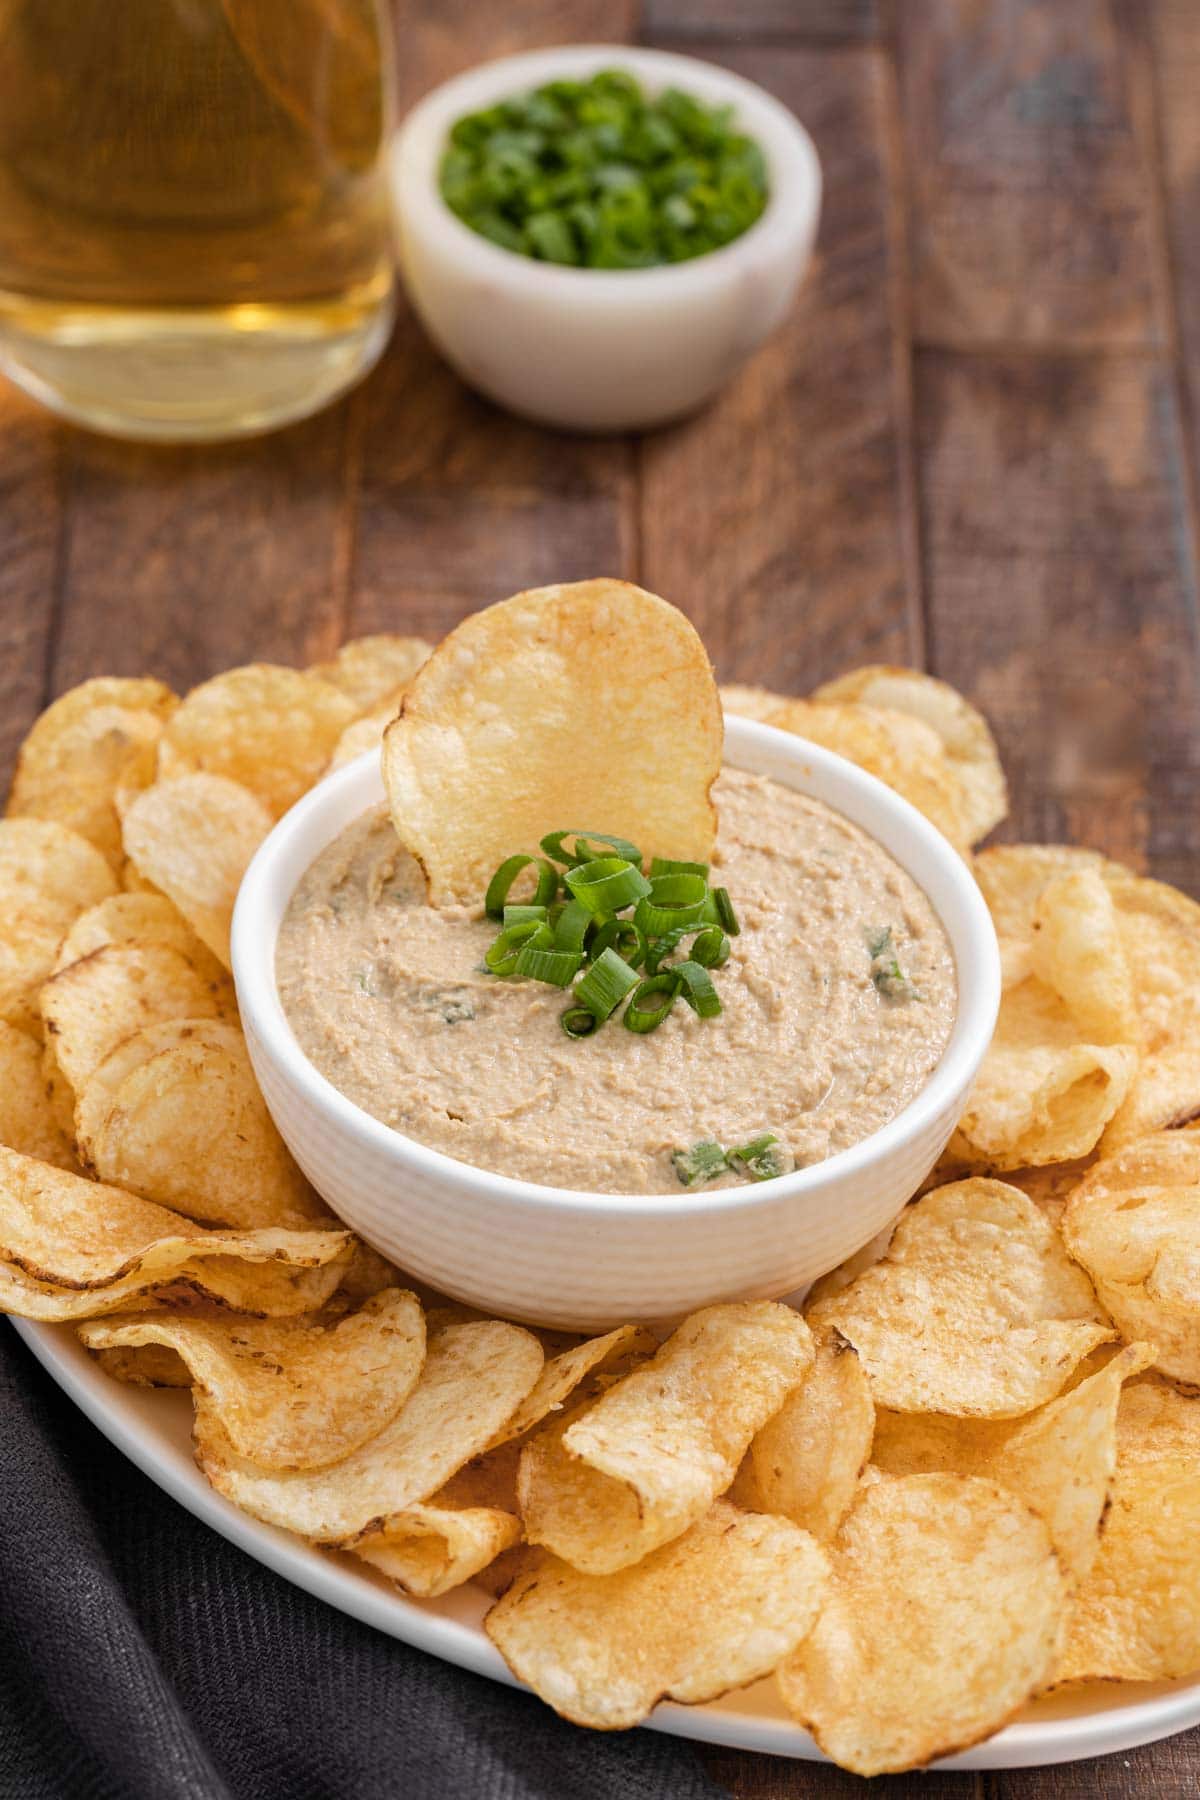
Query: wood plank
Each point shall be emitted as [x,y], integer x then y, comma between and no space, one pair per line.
[181,562]
[777,518]
[437,38]
[774,1778]
[1030,193]
[1165,1771]
[30,536]
[1173,31]
[1061,592]
[779,21]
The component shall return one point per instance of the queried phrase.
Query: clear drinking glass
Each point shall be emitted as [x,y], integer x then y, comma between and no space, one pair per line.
[194,230]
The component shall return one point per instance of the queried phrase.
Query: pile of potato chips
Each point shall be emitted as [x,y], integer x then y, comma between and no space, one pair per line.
[970,1471]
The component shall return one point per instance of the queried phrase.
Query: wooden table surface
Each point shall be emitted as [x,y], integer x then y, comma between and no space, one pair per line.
[974,446]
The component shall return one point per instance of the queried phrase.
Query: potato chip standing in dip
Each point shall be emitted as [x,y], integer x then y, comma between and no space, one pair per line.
[534,710]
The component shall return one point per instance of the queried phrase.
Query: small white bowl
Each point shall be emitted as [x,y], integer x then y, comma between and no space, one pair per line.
[554,1256]
[601,349]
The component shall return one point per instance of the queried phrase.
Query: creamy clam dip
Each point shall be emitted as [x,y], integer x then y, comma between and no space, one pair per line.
[838,998]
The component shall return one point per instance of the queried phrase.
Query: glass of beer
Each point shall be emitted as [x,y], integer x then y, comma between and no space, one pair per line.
[194,228]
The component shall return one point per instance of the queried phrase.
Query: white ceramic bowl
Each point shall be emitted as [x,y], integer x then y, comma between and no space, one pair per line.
[558,1257]
[601,349]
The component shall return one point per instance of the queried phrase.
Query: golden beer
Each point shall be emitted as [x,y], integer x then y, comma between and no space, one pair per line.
[194,230]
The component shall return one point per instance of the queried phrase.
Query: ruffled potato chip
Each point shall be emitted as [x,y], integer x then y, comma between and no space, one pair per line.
[145,1365]
[975,1309]
[94,1005]
[1137,1617]
[718,1607]
[1060,1459]
[274,1275]
[96,740]
[175,1114]
[193,838]
[562,1374]
[1011,878]
[290,1393]
[427,1550]
[147,918]
[648,1459]
[805,1462]
[474,1377]
[48,876]
[369,670]
[944,1618]
[266,727]
[1079,951]
[476,765]
[751,702]
[28,1121]
[898,749]
[964,732]
[1134,1224]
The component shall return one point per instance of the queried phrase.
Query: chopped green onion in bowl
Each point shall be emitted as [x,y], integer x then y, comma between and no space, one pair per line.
[597,174]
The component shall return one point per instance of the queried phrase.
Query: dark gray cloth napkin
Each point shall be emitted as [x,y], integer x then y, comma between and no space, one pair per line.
[144,1658]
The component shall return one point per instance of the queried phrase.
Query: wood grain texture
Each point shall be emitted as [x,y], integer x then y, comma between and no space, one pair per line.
[1031,214]
[1173,33]
[776,519]
[1061,594]
[178,563]
[31,523]
[774,21]
[1169,1770]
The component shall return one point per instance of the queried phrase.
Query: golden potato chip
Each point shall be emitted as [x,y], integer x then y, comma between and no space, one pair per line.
[145,1365]
[561,1375]
[94,1005]
[27,1118]
[1078,950]
[1044,1093]
[900,750]
[367,1272]
[1137,1617]
[427,1550]
[290,1393]
[846,1272]
[944,1617]
[807,1459]
[193,838]
[964,732]
[269,728]
[59,1092]
[48,876]
[1134,1224]
[93,741]
[365,733]
[72,1233]
[141,916]
[975,1309]
[174,1114]
[371,669]
[473,1379]
[1060,1459]
[1051,1186]
[751,702]
[718,1607]
[649,1458]
[475,766]
[1012,876]
[1160,928]
[293,1280]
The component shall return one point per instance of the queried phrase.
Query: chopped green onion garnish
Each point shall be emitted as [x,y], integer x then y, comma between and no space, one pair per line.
[597,173]
[663,865]
[642,1018]
[572,926]
[584,850]
[506,874]
[672,900]
[696,985]
[558,967]
[623,936]
[702,1162]
[710,948]
[886,973]
[763,1158]
[578,1022]
[521,915]
[607,884]
[606,984]
[718,910]
[501,956]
